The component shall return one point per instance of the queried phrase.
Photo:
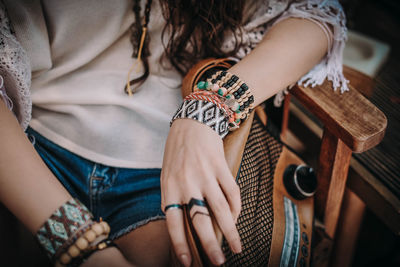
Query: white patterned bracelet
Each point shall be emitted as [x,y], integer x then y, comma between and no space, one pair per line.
[204,112]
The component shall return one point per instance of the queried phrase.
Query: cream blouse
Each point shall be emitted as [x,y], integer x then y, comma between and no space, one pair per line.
[65,64]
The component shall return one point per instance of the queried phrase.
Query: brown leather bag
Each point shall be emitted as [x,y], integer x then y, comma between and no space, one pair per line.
[275,228]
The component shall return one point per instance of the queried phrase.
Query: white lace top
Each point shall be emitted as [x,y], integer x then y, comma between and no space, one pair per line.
[79,69]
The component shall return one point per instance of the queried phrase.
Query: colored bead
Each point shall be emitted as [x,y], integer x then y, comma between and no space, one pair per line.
[97,229]
[242,107]
[223,73]
[231,103]
[82,243]
[65,258]
[237,121]
[244,86]
[251,99]
[229,96]
[222,91]
[215,87]
[201,85]
[73,251]
[90,235]
[235,78]
[213,81]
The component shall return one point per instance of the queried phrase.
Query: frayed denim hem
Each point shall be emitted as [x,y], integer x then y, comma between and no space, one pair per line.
[132,227]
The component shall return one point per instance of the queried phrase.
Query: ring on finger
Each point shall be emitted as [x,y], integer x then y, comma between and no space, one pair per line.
[199,213]
[173,206]
[196,202]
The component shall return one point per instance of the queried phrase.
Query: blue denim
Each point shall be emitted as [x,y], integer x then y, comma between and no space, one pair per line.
[125,198]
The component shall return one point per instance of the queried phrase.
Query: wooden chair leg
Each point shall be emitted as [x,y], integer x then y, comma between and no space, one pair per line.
[332,175]
[348,230]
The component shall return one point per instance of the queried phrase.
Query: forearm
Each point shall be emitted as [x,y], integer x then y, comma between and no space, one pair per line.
[27,187]
[287,52]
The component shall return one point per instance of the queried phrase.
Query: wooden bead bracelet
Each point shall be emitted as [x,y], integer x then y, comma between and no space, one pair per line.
[87,241]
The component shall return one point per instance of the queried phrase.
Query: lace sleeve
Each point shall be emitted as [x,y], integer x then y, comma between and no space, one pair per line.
[328,14]
[15,72]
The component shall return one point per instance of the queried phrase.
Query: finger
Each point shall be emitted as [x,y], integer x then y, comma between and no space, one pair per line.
[220,208]
[203,225]
[177,233]
[231,191]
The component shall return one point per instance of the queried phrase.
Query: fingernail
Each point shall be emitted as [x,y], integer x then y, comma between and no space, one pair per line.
[237,247]
[218,258]
[185,260]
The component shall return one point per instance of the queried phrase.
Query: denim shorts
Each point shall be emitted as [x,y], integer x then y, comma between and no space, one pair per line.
[125,198]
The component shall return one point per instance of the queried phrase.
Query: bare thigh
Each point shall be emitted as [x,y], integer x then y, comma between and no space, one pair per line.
[148,245]
[106,258]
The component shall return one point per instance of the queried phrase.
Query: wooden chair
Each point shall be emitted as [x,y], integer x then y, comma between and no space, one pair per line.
[351,124]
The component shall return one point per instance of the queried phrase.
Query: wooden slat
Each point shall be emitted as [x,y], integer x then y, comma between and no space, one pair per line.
[333,166]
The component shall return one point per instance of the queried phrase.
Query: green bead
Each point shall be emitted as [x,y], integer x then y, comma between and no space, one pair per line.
[205,85]
[237,121]
[228,97]
[201,85]
[220,92]
[238,110]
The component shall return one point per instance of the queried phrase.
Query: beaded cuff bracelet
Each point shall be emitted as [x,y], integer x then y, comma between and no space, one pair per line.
[206,112]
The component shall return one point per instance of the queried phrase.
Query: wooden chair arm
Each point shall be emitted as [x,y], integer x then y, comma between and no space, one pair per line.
[351,124]
[349,116]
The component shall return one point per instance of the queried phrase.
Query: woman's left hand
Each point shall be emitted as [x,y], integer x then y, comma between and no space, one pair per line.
[194,167]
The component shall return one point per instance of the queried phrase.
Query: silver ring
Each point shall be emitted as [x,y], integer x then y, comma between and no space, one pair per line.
[173,206]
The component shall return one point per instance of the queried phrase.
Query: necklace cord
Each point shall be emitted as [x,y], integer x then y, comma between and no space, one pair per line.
[136,65]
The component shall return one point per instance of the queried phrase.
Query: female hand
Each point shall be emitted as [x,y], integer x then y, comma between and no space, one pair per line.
[194,166]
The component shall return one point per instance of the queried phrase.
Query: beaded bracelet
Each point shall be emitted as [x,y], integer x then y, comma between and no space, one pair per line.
[70,231]
[84,257]
[87,242]
[234,92]
[221,102]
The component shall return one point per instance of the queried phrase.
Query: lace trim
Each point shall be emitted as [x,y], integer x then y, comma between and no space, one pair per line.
[3,94]
[15,72]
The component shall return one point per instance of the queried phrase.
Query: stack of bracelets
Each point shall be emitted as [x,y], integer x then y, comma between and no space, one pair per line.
[222,102]
[70,235]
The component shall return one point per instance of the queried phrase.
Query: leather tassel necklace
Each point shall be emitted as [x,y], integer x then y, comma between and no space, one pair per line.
[138,63]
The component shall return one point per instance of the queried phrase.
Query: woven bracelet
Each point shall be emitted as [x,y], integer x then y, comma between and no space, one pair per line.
[62,227]
[206,112]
